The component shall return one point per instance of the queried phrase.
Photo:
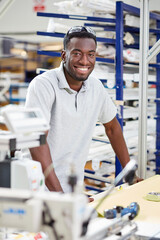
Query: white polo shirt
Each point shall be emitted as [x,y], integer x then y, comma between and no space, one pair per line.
[72,117]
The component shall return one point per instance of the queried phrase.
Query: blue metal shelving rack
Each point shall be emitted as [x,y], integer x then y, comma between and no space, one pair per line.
[120,7]
[119,28]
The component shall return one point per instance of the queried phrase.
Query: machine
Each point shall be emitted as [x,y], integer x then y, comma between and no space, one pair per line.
[62,216]
[26,130]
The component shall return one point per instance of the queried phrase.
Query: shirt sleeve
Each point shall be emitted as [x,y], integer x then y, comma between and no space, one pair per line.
[40,94]
[108,110]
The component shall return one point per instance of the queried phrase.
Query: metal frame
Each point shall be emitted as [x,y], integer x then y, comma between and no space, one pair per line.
[145,56]
[120,29]
[158,109]
[143,85]
[119,69]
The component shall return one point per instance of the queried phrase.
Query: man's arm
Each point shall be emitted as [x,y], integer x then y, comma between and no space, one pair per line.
[115,135]
[42,154]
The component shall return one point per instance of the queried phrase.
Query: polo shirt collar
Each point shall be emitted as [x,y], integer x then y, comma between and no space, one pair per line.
[63,84]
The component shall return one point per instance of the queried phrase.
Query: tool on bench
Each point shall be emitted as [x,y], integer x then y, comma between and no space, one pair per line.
[133,209]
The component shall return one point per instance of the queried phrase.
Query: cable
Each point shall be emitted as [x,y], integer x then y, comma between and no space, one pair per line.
[48,170]
[128,173]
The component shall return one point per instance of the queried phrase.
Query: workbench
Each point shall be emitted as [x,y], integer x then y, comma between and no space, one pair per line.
[148,218]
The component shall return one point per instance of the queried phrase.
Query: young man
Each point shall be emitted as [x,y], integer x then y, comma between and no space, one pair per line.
[72,102]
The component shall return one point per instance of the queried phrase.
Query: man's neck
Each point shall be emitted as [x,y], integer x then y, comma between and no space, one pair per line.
[75,85]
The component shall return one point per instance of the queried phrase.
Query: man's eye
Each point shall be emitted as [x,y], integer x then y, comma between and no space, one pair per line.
[76,53]
[91,54]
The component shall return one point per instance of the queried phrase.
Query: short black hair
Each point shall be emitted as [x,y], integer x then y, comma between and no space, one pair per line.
[83,33]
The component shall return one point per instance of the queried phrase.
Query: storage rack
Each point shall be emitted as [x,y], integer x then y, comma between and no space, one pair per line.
[17,86]
[120,7]
[12,63]
[119,62]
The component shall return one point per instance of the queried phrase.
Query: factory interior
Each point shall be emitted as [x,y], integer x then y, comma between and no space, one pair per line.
[117,198]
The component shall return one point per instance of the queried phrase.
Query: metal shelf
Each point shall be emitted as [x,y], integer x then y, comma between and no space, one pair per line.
[75,17]
[61,35]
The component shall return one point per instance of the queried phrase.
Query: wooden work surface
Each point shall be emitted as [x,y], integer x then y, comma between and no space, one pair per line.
[149,210]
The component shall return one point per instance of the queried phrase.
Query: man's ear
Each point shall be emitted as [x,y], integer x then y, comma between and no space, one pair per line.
[63,56]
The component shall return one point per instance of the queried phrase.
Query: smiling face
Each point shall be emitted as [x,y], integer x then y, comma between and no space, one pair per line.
[79,59]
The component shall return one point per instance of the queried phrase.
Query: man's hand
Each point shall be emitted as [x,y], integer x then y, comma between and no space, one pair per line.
[90,199]
[137,179]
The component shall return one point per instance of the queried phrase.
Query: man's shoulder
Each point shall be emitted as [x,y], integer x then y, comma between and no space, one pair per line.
[95,81]
[46,76]
[48,73]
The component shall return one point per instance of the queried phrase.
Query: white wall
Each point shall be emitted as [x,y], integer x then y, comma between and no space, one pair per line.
[134,3]
[153,4]
[21,17]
